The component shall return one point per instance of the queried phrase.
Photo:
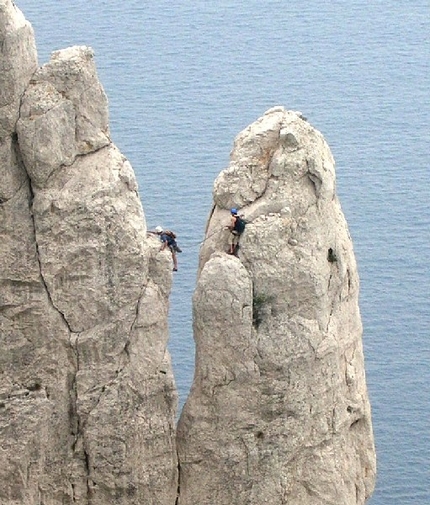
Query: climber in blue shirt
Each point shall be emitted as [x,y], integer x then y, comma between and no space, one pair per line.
[168,238]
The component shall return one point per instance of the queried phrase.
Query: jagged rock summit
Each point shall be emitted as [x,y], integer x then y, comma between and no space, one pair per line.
[278,411]
[87,396]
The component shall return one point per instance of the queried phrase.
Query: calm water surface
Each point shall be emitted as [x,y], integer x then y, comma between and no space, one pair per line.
[183,78]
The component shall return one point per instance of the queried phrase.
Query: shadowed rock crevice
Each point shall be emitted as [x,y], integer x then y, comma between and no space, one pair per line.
[41,267]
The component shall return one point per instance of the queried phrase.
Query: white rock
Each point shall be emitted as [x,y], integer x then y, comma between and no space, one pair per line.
[18,62]
[278,411]
[88,400]
[72,73]
[46,131]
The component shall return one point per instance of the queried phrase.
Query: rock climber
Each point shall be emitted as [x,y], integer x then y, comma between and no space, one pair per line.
[236,227]
[168,239]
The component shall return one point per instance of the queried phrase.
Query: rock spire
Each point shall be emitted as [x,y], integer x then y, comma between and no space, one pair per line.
[87,396]
[278,411]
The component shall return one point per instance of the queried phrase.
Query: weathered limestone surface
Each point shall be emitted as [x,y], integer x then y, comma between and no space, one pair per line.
[63,113]
[18,61]
[278,412]
[87,396]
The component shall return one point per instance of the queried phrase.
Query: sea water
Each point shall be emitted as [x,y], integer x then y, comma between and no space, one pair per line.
[183,78]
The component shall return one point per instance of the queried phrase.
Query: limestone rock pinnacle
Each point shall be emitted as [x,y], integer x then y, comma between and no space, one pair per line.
[278,411]
[87,396]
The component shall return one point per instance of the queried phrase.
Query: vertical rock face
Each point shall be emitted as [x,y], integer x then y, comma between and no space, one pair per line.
[18,61]
[278,412]
[87,397]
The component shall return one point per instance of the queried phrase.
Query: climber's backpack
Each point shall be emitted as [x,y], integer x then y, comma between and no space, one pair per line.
[239,225]
[170,234]
[172,240]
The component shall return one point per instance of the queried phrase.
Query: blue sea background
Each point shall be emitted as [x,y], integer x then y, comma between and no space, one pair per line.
[183,78]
